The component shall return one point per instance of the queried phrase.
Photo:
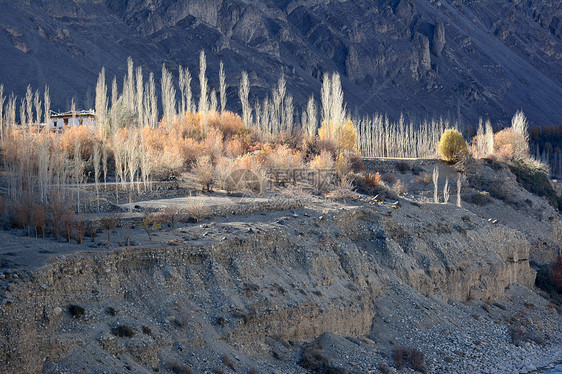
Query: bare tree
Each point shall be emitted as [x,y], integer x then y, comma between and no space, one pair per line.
[77,171]
[29,105]
[2,99]
[222,87]
[168,96]
[104,163]
[446,191]
[23,118]
[481,140]
[311,123]
[244,93]
[435,178]
[73,110]
[326,97]
[333,107]
[47,104]
[203,100]
[114,92]
[96,160]
[129,87]
[153,101]
[214,104]
[140,98]
[489,138]
[519,124]
[11,111]
[101,103]
[38,108]
[459,190]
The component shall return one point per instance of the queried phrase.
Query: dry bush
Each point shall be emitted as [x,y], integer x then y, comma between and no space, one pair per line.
[283,157]
[283,161]
[92,230]
[399,188]
[123,331]
[389,178]
[39,219]
[188,126]
[57,210]
[21,215]
[556,273]
[190,150]
[510,145]
[203,168]
[403,167]
[68,223]
[373,180]
[343,190]
[108,223]
[424,179]
[223,174]
[234,147]
[257,179]
[213,143]
[316,361]
[356,162]
[228,362]
[170,215]
[83,136]
[403,356]
[229,123]
[81,227]
[400,357]
[194,211]
[316,145]
[322,161]
[177,368]
[343,166]
[292,196]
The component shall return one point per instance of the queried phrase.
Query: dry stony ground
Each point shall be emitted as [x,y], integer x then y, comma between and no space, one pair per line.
[291,283]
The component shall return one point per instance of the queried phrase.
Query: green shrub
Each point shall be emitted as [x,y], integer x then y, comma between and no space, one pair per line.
[534,178]
[123,331]
[452,145]
[480,198]
[76,311]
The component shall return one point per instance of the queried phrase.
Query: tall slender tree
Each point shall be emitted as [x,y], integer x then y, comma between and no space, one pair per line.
[29,105]
[203,100]
[222,87]
[2,99]
[140,97]
[101,103]
[38,108]
[153,101]
[168,96]
[244,93]
[47,104]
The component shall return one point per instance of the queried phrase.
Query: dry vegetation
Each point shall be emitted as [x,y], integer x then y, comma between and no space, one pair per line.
[51,177]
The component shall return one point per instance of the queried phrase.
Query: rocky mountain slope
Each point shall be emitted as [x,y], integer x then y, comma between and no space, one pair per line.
[421,58]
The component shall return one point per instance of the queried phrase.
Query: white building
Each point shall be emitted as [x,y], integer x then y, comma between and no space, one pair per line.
[61,121]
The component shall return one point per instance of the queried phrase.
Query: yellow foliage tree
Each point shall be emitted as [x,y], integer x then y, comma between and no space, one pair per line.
[343,134]
[452,145]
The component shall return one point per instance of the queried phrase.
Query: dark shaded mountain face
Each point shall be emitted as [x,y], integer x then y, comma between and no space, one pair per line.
[479,58]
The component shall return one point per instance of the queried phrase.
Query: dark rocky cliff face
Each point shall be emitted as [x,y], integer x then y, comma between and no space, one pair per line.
[421,58]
